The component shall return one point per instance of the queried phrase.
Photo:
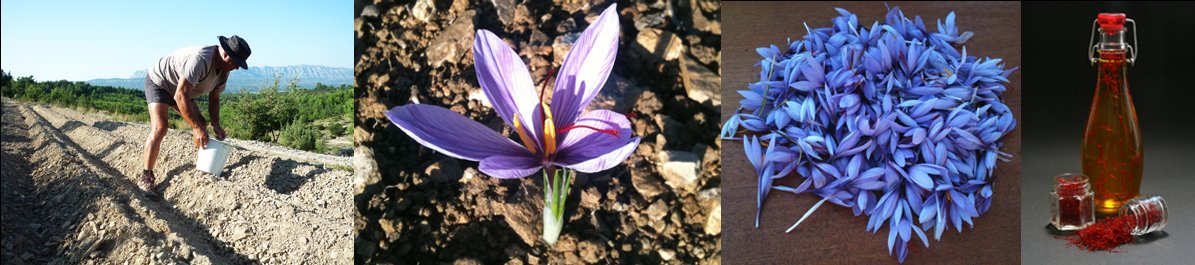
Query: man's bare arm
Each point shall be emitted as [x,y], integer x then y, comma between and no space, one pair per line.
[213,107]
[190,113]
[187,107]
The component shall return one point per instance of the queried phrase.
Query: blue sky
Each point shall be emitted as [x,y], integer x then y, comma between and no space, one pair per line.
[81,40]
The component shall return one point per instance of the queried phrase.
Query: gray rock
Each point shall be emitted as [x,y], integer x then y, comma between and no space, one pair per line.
[713,223]
[705,54]
[656,213]
[366,172]
[453,42]
[566,26]
[710,6]
[424,10]
[370,11]
[647,185]
[183,253]
[666,254]
[679,169]
[538,38]
[591,198]
[618,94]
[701,84]
[240,233]
[562,45]
[574,6]
[652,20]
[506,11]
[524,218]
[660,44]
[390,228]
[700,22]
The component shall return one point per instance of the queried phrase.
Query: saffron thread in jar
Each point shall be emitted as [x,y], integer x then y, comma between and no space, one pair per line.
[1072,208]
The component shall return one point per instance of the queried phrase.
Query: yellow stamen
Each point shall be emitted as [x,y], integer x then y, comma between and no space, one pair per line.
[523,135]
[549,130]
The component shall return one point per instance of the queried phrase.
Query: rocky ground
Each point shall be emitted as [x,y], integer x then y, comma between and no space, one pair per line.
[69,197]
[418,206]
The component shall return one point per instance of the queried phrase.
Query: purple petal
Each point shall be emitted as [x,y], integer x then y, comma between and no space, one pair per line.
[928,212]
[904,230]
[921,235]
[591,151]
[599,119]
[452,134]
[506,83]
[599,163]
[805,86]
[506,167]
[920,177]
[586,67]
[848,101]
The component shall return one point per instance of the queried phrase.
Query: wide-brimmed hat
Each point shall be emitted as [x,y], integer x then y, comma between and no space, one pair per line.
[237,48]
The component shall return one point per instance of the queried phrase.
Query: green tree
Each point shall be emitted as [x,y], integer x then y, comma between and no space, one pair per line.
[298,135]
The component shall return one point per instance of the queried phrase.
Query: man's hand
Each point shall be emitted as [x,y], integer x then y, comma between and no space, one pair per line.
[219,132]
[200,135]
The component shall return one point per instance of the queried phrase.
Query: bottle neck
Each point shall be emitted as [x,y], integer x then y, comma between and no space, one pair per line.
[1113,40]
[1112,72]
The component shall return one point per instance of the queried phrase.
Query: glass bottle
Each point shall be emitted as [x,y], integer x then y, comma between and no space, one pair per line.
[1071,207]
[1149,214]
[1112,154]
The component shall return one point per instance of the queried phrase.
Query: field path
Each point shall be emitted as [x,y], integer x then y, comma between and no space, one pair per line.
[70,197]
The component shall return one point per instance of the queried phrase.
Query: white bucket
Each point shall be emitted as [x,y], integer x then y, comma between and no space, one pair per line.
[213,157]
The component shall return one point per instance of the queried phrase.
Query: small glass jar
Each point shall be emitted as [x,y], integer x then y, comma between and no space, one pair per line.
[1149,213]
[1072,206]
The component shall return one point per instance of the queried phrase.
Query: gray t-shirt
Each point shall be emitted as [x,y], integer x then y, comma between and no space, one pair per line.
[194,65]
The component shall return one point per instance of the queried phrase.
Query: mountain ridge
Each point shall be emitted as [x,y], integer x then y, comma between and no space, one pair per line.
[255,77]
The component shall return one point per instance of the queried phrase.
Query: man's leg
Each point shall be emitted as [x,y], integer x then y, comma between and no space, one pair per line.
[159,114]
[158,120]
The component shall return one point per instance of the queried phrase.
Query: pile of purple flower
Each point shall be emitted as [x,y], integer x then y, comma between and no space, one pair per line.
[893,121]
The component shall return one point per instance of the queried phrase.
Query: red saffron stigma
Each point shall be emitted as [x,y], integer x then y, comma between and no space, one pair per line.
[611,132]
[1105,235]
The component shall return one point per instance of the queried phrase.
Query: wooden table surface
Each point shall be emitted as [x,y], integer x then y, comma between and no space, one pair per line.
[833,234]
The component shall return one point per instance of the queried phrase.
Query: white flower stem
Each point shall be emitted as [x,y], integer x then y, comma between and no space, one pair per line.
[556,190]
[807,213]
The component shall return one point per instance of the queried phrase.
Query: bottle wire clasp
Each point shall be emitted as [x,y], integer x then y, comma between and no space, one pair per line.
[1130,47]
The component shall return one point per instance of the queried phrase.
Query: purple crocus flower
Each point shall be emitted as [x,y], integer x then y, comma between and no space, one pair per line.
[556,134]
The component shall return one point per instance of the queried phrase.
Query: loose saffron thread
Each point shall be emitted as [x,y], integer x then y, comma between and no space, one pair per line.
[1112,232]
[1105,235]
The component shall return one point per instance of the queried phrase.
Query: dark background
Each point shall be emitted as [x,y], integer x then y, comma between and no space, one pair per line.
[1059,83]
[832,234]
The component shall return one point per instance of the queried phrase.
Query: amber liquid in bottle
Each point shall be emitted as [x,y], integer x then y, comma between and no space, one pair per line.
[1112,154]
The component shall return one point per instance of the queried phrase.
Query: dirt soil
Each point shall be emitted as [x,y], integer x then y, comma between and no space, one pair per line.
[69,197]
[662,205]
